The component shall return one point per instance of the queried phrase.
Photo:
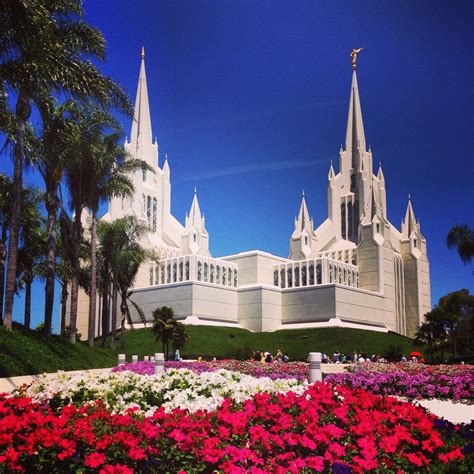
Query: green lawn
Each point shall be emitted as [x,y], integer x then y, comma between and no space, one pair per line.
[23,353]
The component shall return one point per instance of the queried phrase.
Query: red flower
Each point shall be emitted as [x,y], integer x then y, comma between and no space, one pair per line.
[95,459]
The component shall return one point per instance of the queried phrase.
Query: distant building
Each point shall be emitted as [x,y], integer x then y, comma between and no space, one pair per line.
[355,270]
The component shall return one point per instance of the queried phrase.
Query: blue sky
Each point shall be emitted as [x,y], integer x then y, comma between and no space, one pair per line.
[249,99]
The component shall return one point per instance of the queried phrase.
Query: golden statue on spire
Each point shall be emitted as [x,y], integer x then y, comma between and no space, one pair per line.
[143,52]
[353,55]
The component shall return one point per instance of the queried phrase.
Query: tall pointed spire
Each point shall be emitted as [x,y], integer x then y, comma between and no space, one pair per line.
[195,215]
[409,223]
[304,220]
[141,134]
[355,136]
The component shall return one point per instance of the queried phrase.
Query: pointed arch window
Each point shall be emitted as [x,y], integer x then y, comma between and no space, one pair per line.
[155,209]
[148,209]
[144,174]
[343,220]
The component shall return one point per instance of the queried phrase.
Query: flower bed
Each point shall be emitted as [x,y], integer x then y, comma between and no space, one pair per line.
[176,388]
[410,380]
[325,429]
[274,370]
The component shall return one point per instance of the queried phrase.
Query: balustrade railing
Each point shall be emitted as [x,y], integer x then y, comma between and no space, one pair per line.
[194,268]
[346,256]
[313,272]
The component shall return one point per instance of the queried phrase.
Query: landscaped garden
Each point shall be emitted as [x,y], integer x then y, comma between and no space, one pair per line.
[232,416]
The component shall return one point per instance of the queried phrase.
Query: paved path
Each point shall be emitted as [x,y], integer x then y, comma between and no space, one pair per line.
[10,383]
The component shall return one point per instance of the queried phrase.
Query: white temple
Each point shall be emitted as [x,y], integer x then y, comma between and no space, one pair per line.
[354,270]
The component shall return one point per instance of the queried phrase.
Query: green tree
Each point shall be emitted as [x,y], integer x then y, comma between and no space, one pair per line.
[32,250]
[45,47]
[458,313]
[110,175]
[119,259]
[53,145]
[164,326]
[180,336]
[461,237]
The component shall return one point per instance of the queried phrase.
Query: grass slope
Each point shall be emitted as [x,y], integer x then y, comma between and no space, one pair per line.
[25,353]
[220,342]
[28,353]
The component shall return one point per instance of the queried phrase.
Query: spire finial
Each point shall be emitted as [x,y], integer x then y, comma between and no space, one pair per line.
[195,190]
[409,197]
[166,156]
[303,192]
[353,55]
[143,52]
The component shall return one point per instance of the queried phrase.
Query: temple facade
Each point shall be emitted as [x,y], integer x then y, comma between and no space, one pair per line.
[356,269]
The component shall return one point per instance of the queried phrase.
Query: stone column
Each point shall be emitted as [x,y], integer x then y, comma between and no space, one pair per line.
[159,363]
[315,372]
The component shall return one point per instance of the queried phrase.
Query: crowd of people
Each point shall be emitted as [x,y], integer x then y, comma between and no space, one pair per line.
[341,358]
[268,358]
[359,357]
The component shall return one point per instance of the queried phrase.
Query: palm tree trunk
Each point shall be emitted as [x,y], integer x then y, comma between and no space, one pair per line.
[105,306]
[3,254]
[52,205]
[114,312]
[64,295]
[93,293]
[22,113]
[28,282]
[122,324]
[75,277]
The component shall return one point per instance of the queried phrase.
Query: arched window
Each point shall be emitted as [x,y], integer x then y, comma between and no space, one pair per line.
[306,240]
[174,273]
[151,275]
[186,270]
[304,281]
[181,272]
[199,271]
[275,277]
[144,203]
[318,274]
[218,275]
[351,221]
[224,273]
[206,272]
[155,209]
[229,276]
[282,278]
[168,271]
[290,277]
[144,174]
[162,267]
[297,276]
[148,209]
[235,279]
[157,274]
[212,274]
[311,274]
[343,220]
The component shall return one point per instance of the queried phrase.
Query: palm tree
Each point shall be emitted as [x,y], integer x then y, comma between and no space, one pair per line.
[55,141]
[33,245]
[180,336]
[45,47]
[112,169]
[164,326]
[120,257]
[461,237]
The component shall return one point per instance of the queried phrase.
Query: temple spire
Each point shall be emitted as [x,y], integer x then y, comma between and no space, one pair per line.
[141,135]
[409,223]
[355,136]
[195,215]
[304,220]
